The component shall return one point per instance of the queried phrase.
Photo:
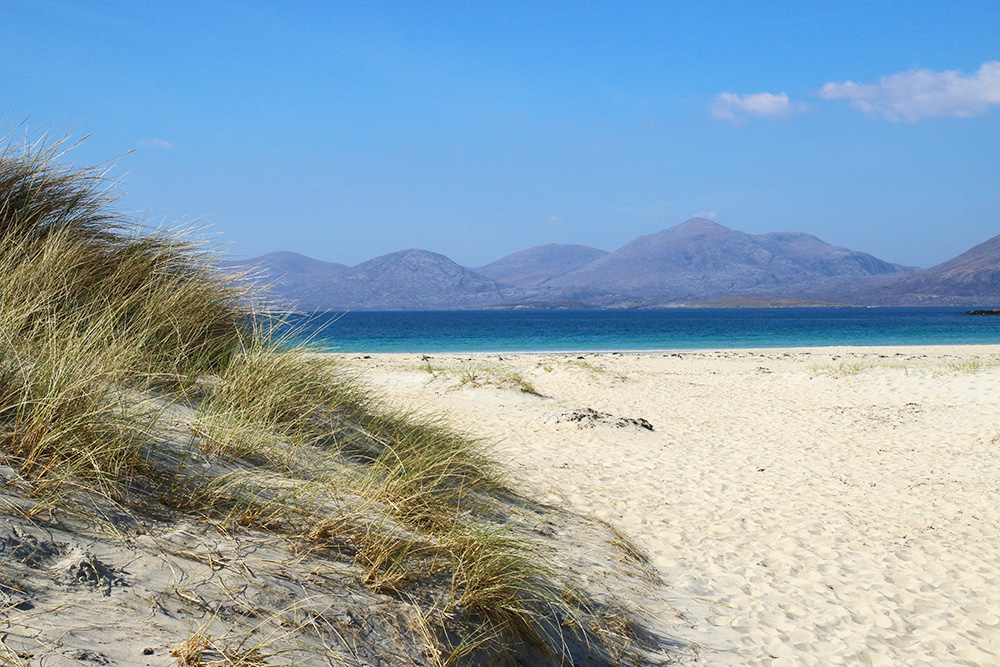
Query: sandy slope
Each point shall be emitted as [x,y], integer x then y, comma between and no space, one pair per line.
[85,581]
[806,507]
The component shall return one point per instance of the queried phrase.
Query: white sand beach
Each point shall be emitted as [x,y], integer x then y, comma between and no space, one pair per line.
[804,506]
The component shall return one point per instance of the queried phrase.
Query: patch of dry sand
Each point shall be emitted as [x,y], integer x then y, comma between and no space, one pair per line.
[804,506]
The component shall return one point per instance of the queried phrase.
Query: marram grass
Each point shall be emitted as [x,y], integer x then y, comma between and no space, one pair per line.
[117,341]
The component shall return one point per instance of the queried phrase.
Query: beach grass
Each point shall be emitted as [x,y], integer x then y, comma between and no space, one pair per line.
[480,374]
[844,369]
[851,368]
[133,369]
[971,366]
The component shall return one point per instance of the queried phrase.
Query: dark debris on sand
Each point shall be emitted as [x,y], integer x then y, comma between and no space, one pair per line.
[589,418]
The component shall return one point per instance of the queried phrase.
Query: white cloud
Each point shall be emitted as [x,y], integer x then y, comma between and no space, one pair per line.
[708,215]
[922,93]
[555,220]
[737,108]
[157,143]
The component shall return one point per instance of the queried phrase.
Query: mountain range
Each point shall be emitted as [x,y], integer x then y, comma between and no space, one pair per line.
[696,262]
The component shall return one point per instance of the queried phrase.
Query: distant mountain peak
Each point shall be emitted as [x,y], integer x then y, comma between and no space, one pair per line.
[405,279]
[282,264]
[413,252]
[410,255]
[703,259]
[693,228]
[700,223]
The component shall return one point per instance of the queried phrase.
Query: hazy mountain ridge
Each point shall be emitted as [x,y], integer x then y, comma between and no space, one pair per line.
[289,279]
[408,279]
[700,259]
[693,262]
[807,250]
[535,266]
[286,266]
[970,279]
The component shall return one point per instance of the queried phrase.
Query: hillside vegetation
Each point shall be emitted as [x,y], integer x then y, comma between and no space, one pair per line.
[139,394]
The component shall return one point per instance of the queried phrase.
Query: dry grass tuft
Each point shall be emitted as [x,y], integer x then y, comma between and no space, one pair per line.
[200,650]
[481,375]
[189,651]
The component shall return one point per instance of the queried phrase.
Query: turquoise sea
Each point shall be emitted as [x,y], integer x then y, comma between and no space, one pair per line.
[623,330]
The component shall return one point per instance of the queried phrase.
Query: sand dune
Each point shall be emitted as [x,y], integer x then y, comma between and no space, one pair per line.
[804,507]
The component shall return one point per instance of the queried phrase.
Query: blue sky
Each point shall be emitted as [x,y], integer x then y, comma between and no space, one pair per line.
[347,130]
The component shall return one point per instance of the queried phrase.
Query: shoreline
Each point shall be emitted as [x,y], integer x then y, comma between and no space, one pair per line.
[833,505]
[933,347]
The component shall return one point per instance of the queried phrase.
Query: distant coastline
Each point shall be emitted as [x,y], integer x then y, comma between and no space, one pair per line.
[728,302]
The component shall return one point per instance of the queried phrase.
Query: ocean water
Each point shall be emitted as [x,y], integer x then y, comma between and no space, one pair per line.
[615,330]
